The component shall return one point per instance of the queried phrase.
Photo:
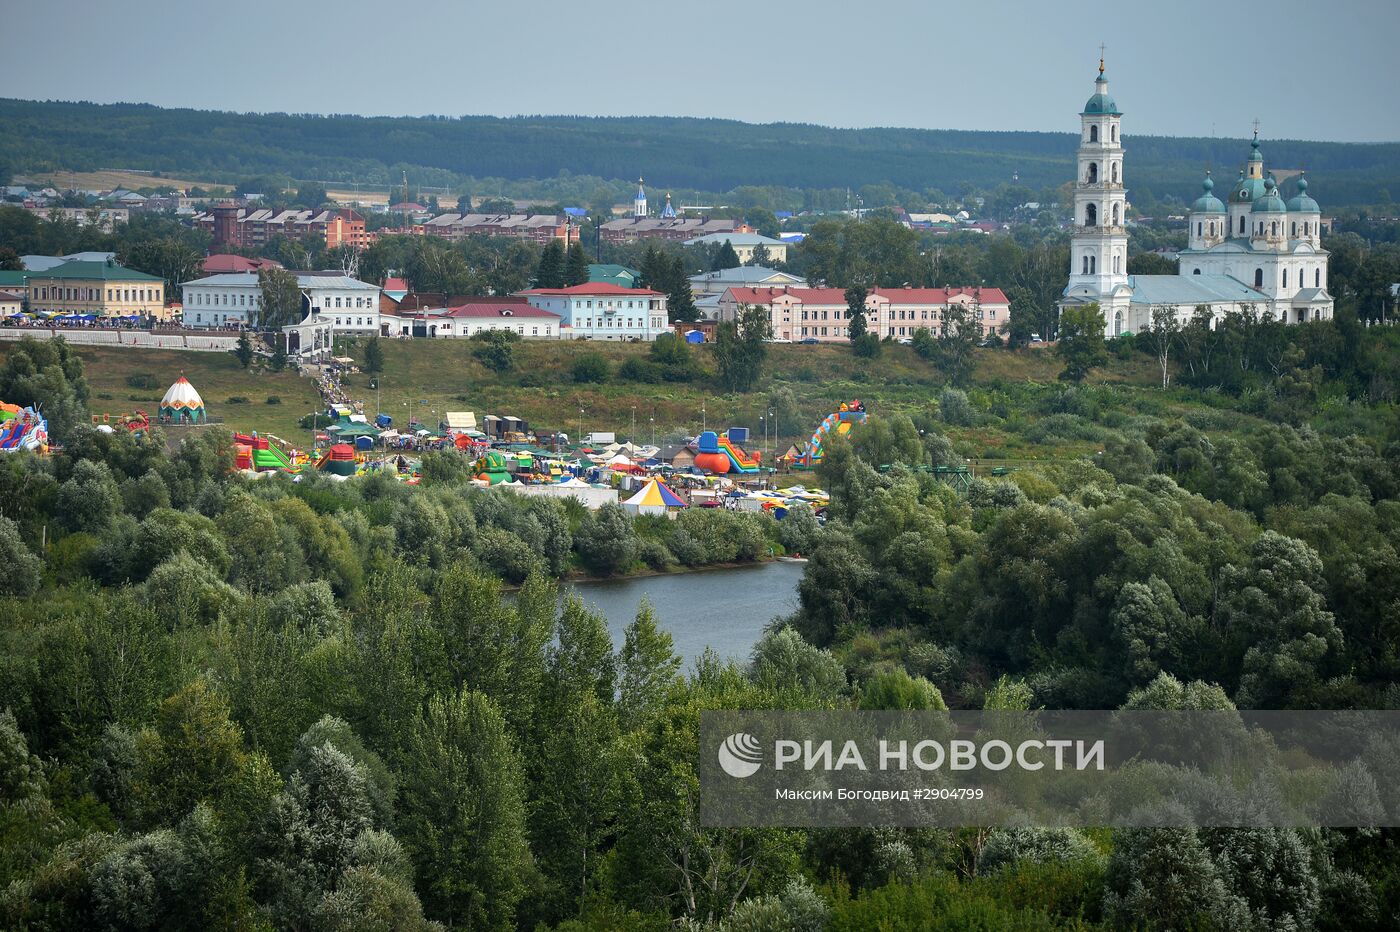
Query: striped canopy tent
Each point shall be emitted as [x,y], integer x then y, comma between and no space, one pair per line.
[182,404]
[654,498]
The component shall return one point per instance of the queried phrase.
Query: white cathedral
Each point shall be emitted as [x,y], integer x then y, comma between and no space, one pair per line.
[1256,252]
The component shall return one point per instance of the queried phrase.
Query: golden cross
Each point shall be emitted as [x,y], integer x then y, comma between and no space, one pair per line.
[1101,48]
[1256,127]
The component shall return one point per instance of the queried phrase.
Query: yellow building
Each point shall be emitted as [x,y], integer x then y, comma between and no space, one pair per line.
[101,288]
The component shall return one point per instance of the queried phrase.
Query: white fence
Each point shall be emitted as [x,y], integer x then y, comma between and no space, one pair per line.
[140,339]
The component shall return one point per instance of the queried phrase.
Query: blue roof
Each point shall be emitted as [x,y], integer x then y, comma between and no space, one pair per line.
[1191,289]
[1301,203]
[1208,203]
[576,211]
[1101,103]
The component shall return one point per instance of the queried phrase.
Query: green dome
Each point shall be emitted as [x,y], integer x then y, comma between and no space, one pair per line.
[1301,203]
[1208,203]
[1102,102]
[1247,190]
[1270,203]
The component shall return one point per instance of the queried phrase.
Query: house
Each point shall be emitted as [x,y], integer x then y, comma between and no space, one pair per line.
[679,455]
[10,303]
[15,282]
[709,287]
[232,299]
[604,312]
[104,289]
[393,287]
[797,314]
[745,244]
[475,315]
[612,274]
[226,262]
[540,228]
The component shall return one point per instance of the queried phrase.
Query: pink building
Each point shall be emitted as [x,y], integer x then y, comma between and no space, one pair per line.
[798,314]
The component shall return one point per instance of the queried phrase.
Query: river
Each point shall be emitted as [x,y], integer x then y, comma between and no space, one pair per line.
[725,609]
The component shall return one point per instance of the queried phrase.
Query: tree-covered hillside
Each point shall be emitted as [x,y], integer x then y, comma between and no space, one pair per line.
[681,153]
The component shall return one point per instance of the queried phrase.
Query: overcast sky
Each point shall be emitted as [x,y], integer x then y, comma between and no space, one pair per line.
[1305,70]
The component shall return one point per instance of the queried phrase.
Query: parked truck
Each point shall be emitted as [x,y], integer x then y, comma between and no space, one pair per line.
[599,438]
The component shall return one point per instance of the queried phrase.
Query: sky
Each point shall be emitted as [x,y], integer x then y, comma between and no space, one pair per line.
[1305,70]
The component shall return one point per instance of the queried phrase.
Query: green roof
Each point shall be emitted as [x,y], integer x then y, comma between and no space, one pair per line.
[1101,103]
[94,271]
[10,279]
[611,273]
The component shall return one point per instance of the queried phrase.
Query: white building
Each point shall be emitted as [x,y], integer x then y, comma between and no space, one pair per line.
[1259,254]
[232,299]
[602,311]
[475,316]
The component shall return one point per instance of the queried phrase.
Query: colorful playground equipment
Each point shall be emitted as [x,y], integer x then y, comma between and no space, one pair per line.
[22,429]
[491,468]
[719,454]
[182,404]
[339,460]
[839,421]
[259,453]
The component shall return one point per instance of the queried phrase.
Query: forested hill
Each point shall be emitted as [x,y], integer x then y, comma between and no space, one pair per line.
[683,154]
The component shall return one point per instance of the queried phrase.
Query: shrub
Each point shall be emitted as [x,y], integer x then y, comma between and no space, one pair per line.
[496,355]
[142,380]
[955,409]
[637,369]
[655,554]
[237,400]
[274,400]
[1010,846]
[866,346]
[590,367]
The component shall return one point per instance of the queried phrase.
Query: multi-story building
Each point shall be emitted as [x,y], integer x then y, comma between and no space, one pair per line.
[744,245]
[251,229]
[104,218]
[821,314]
[233,300]
[540,228]
[105,289]
[601,311]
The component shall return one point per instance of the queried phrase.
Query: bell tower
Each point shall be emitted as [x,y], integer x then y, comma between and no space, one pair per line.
[1099,243]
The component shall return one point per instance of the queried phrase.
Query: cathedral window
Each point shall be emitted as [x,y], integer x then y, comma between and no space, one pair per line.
[1198,228]
[1317,278]
[1285,278]
[1195,271]
[1117,323]
[1116,218]
[1086,265]
[1241,224]
[1294,234]
[1115,134]
[1091,215]
[1258,278]
[1115,172]
[1273,228]
[1093,172]
[1094,264]
[1093,134]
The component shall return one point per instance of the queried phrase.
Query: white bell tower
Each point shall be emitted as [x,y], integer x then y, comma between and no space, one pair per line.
[1099,244]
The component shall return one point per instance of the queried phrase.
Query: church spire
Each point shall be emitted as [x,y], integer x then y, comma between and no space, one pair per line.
[639,203]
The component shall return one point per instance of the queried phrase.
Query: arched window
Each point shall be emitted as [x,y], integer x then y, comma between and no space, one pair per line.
[1285,278]
[1115,172]
[1117,323]
[1195,271]
[1317,277]
[1093,172]
[1242,224]
[1273,228]
[1093,134]
[1091,215]
[1294,234]
[1086,265]
[1258,278]
[1117,220]
[1115,134]
[1094,264]
[1199,227]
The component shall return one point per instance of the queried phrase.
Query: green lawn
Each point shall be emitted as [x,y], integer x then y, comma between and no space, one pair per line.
[426,378]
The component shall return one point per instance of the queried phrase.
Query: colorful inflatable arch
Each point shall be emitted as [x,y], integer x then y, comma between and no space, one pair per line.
[837,422]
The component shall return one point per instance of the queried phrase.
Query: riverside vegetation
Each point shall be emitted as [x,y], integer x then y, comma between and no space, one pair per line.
[235,704]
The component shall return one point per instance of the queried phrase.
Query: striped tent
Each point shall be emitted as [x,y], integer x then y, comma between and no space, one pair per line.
[182,404]
[653,499]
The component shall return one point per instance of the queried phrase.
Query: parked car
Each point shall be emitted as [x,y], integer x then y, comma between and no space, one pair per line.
[810,341]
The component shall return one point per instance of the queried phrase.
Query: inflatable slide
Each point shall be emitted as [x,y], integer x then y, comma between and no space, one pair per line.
[717,454]
[837,422]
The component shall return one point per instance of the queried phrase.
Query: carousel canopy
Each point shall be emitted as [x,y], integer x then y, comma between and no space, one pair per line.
[182,395]
[655,493]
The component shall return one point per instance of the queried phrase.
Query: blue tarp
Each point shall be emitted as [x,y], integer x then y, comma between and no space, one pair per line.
[694,336]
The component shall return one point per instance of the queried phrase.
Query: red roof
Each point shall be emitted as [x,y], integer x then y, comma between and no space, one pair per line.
[494,307]
[395,284]
[225,262]
[591,289]
[835,296]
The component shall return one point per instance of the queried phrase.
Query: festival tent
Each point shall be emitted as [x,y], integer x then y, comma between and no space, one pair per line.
[654,498]
[182,404]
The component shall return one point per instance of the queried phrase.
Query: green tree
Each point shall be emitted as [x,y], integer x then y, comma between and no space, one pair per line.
[10,260]
[550,272]
[606,540]
[1081,341]
[590,368]
[680,300]
[741,347]
[576,266]
[311,194]
[47,375]
[374,355]
[726,258]
[957,339]
[281,298]
[169,258]
[462,813]
[855,312]
[647,667]
[244,351]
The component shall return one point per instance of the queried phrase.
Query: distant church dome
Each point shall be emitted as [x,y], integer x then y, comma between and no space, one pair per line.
[1102,102]
[1270,203]
[1208,203]
[1301,203]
